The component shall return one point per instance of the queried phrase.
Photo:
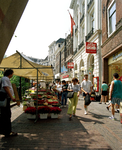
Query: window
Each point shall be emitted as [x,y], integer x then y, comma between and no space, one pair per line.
[92,20]
[83,33]
[112,18]
[83,10]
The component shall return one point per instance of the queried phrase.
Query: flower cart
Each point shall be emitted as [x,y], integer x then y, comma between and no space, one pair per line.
[47,103]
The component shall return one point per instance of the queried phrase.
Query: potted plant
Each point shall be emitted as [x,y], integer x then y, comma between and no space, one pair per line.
[54,112]
[43,112]
[31,112]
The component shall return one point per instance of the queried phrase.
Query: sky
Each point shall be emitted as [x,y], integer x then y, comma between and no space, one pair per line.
[42,22]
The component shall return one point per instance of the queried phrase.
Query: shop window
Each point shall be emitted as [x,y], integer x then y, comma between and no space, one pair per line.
[112,18]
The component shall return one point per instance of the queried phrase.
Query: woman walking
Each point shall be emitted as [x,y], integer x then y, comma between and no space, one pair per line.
[115,93]
[73,101]
[104,92]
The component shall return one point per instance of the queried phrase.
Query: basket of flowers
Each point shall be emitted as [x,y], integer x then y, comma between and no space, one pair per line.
[31,112]
[55,111]
[43,112]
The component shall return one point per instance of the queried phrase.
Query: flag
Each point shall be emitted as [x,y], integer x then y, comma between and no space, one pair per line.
[72,23]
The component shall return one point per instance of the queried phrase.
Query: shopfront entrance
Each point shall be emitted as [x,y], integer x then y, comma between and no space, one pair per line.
[115,65]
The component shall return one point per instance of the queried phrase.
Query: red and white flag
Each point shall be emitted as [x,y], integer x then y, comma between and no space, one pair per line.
[72,23]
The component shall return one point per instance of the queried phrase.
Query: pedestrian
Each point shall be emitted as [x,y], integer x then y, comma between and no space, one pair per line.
[64,93]
[59,89]
[115,93]
[116,108]
[104,92]
[56,85]
[86,88]
[5,118]
[73,101]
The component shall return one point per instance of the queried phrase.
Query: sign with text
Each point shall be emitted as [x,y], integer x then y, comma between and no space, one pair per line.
[70,65]
[66,76]
[91,47]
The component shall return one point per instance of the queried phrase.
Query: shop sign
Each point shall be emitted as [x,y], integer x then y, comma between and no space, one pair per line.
[117,56]
[66,76]
[91,47]
[70,65]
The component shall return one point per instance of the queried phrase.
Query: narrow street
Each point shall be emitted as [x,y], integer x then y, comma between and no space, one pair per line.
[92,131]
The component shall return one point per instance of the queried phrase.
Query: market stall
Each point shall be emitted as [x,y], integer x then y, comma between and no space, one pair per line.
[48,105]
[24,67]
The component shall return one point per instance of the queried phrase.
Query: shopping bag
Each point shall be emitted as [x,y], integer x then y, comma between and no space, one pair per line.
[70,94]
[87,99]
[3,99]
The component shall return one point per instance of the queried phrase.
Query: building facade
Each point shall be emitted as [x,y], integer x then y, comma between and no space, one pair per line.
[87,17]
[43,62]
[111,38]
[51,55]
[67,57]
[59,57]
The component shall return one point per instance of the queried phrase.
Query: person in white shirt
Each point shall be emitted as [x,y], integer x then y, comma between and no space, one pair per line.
[86,88]
[5,118]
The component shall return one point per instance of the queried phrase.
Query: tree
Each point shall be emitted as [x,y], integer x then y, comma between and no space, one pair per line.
[16,80]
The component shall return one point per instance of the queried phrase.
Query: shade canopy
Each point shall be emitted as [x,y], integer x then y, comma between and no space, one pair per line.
[10,14]
[25,67]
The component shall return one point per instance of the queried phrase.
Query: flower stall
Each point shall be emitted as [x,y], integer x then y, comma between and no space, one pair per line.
[48,105]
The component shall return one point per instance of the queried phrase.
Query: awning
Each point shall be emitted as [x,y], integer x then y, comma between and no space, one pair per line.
[24,67]
[10,14]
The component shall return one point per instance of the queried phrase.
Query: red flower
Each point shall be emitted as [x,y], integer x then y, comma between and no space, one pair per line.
[55,110]
[44,109]
[52,103]
[31,110]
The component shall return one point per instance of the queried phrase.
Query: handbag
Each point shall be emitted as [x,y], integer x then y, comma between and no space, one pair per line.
[87,99]
[70,94]
[3,98]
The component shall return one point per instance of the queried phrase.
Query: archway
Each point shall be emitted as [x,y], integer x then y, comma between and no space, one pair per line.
[90,65]
[81,73]
[75,71]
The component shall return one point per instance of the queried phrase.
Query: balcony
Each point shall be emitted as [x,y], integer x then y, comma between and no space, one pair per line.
[82,18]
[89,34]
[81,44]
[89,4]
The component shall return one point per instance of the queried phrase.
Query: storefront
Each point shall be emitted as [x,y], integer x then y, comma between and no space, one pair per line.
[115,65]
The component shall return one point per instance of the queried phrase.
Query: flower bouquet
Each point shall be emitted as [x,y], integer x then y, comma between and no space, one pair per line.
[31,112]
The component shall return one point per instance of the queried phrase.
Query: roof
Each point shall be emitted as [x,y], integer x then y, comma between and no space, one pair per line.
[61,40]
[25,67]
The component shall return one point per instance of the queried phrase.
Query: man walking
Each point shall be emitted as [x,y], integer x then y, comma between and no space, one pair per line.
[86,88]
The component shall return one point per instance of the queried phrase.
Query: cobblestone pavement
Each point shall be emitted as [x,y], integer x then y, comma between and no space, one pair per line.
[93,131]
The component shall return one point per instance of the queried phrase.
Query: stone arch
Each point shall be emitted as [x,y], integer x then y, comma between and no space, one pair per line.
[81,72]
[90,66]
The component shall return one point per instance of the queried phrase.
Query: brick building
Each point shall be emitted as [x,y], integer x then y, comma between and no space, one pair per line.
[111,38]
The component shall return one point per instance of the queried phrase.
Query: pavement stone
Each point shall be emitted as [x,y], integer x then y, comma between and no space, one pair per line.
[94,131]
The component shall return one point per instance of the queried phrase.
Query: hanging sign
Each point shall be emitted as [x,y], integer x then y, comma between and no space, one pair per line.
[70,65]
[91,47]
